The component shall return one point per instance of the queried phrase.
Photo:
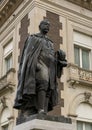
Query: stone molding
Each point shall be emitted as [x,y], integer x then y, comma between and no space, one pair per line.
[86,97]
[7,8]
[6,102]
[58,9]
[8,80]
[83,3]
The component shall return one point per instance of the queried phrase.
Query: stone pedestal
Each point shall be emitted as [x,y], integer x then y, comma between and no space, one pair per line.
[43,122]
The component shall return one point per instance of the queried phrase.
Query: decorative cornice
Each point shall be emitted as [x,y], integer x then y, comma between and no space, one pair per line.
[83,3]
[87,96]
[71,14]
[3,3]
[7,7]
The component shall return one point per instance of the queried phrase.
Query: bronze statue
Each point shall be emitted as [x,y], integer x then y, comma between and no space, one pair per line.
[39,68]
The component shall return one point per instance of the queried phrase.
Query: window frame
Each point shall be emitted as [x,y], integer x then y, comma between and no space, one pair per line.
[6,60]
[81,48]
[5,56]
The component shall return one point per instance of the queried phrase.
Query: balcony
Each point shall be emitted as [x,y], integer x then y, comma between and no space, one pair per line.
[8,81]
[83,3]
[79,76]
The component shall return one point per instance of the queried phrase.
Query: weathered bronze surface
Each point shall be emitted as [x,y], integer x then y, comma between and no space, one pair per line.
[40,66]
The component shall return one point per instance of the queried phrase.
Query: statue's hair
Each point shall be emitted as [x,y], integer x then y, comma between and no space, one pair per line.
[44,21]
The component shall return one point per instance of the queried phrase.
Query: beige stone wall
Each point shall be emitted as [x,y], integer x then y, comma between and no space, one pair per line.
[72,17]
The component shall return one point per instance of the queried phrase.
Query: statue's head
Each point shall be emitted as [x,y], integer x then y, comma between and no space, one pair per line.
[44,26]
[61,54]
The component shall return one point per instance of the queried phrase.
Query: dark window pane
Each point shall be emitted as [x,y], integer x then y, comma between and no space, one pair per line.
[77,56]
[85,59]
[79,125]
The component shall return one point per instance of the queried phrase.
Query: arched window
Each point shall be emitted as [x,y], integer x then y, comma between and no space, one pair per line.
[4,119]
[84,112]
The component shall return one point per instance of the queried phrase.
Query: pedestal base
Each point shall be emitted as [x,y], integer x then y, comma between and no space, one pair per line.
[37,124]
[44,122]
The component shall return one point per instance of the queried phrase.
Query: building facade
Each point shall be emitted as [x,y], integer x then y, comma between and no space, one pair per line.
[71,30]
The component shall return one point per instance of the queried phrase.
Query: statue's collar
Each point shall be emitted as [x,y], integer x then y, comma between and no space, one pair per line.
[41,35]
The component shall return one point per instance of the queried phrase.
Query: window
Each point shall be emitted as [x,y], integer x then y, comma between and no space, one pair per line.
[84,111]
[7,49]
[79,125]
[82,56]
[8,62]
[82,50]
[84,125]
[77,56]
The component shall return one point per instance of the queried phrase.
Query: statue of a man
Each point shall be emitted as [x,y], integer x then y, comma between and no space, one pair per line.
[37,78]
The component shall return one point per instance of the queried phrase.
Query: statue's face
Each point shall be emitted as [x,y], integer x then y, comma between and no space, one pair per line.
[44,27]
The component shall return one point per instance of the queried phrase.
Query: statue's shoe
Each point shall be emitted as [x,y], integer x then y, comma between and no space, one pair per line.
[41,111]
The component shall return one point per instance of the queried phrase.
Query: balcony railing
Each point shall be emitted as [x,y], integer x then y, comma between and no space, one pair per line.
[79,75]
[85,75]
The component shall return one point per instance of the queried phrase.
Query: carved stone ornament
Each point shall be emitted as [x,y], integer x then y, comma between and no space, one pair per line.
[87,96]
[3,101]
